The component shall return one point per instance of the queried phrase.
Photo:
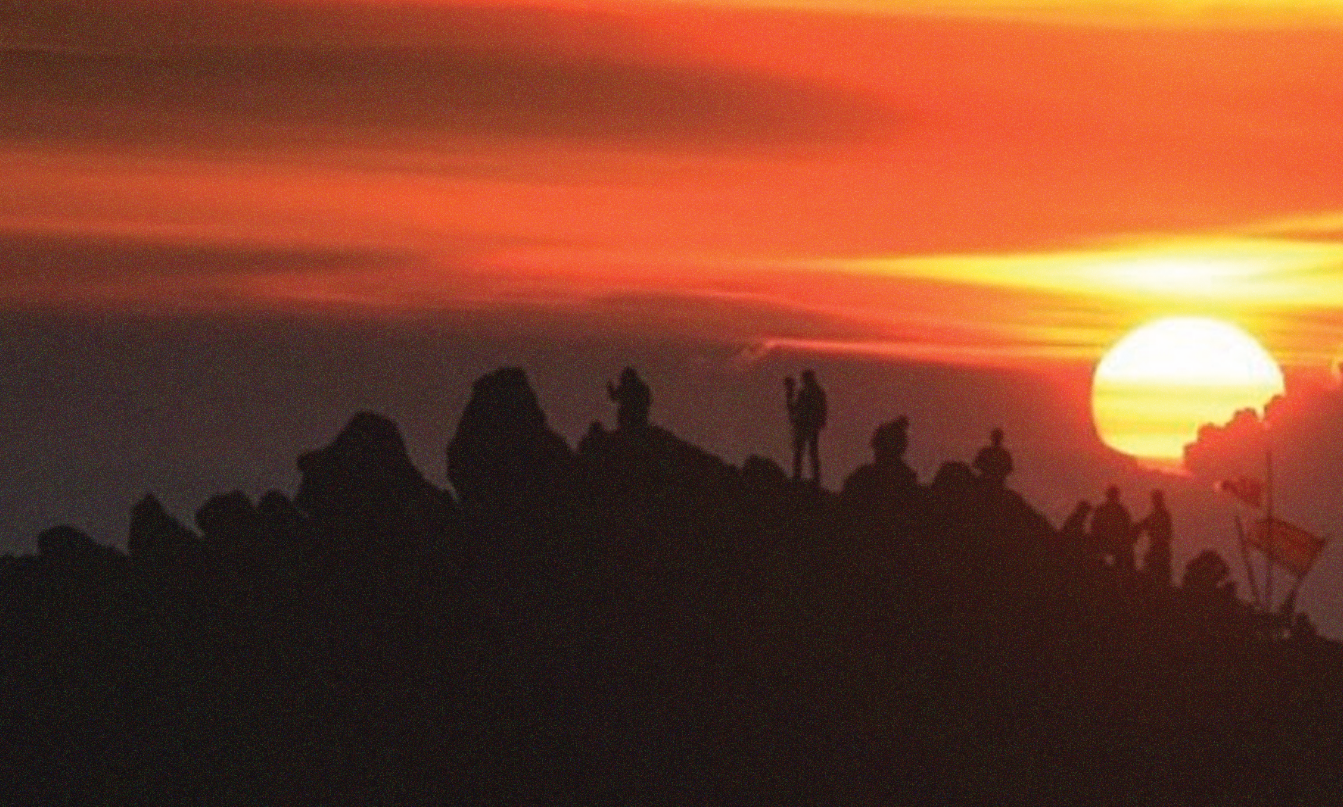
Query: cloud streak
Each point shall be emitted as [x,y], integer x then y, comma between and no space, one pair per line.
[797,306]
[46,272]
[169,90]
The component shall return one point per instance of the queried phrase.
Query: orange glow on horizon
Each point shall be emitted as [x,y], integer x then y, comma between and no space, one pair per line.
[1087,12]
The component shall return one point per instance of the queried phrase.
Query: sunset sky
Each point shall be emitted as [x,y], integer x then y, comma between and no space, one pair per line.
[960,192]
[847,172]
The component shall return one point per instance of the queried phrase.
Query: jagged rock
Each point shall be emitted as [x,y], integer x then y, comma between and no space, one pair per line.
[763,473]
[67,545]
[877,483]
[279,515]
[650,459]
[1015,517]
[964,506]
[678,605]
[227,516]
[155,535]
[954,480]
[1205,573]
[365,473]
[503,452]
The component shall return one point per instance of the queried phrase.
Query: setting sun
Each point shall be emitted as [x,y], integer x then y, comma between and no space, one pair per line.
[1156,386]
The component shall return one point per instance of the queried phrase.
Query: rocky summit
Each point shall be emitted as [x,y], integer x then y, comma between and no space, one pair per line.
[638,622]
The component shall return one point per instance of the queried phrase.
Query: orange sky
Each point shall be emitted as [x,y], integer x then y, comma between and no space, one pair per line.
[968,185]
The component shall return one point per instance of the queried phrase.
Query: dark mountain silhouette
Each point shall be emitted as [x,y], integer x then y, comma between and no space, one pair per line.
[638,622]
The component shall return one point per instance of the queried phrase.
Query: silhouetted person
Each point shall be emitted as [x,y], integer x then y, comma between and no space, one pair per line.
[1074,529]
[807,414]
[633,400]
[1204,576]
[1075,542]
[1156,562]
[889,442]
[1112,531]
[887,478]
[993,462]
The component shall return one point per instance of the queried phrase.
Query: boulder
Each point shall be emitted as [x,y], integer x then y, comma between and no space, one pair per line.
[504,453]
[365,474]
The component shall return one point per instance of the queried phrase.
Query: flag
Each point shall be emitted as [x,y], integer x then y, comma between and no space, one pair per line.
[1248,490]
[1286,544]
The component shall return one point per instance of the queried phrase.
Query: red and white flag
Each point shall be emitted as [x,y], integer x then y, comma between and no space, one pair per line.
[1247,489]
[1286,544]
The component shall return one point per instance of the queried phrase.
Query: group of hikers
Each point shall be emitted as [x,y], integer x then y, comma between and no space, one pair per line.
[1114,534]
[1107,531]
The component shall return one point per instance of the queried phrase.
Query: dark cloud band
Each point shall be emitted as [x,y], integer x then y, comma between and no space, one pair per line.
[257,94]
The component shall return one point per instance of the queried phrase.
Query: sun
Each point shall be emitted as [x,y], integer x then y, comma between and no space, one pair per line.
[1156,386]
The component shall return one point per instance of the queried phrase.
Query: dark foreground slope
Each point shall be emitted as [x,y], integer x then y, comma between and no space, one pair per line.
[636,622]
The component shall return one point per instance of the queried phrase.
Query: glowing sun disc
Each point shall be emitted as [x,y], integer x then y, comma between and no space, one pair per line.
[1156,386]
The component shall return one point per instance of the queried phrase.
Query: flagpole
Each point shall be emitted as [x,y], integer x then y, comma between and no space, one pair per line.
[1249,565]
[1291,595]
[1268,532]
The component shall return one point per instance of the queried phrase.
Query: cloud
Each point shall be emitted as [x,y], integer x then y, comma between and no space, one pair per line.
[1303,429]
[65,272]
[74,258]
[797,305]
[232,94]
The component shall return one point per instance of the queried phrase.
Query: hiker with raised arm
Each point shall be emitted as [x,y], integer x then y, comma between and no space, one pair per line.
[633,400]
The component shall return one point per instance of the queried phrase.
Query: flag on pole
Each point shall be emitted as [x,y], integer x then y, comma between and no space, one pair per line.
[1286,544]
[1247,489]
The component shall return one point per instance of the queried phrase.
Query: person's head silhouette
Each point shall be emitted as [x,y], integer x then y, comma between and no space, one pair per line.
[890,440]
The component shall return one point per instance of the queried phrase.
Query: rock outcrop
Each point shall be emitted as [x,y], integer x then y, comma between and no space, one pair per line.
[364,475]
[504,454]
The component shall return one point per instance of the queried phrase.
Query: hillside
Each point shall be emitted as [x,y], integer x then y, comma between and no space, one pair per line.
[634,621]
